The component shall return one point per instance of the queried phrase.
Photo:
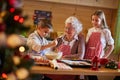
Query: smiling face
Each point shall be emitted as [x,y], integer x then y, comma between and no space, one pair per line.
[69,30]
[44,27]
[43,32]
[96,21]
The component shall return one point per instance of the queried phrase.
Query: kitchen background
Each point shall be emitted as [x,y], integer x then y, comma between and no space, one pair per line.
[82,9]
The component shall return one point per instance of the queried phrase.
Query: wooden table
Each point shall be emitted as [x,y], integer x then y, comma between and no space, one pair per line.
[75,71]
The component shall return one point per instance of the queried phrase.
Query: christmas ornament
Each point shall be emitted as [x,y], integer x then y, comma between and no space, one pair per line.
[95,63]
[103,61]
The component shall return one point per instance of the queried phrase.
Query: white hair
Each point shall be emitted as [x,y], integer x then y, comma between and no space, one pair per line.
[75,23]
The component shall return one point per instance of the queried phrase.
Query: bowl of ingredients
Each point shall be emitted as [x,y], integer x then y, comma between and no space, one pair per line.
[53,55]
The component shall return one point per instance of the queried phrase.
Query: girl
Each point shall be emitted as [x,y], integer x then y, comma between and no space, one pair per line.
[99,40]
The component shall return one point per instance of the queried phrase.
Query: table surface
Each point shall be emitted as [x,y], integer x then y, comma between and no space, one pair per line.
[75,71]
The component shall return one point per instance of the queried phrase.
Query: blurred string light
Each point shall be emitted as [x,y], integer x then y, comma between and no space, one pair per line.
[3,14]
[22,49]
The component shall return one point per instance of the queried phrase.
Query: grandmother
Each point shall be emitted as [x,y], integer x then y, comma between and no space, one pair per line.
[72,42]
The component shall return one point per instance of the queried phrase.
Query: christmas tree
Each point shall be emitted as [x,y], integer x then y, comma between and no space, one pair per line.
[14,61]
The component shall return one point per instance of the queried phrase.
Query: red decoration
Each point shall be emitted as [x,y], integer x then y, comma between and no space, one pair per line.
[4,75]
[11,2]
[103,61]
[118,65]
[12,10]
[95,63]
[16,17]
[21,20]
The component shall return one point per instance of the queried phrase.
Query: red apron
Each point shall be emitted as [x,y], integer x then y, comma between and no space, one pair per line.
[65,49]
[94,46]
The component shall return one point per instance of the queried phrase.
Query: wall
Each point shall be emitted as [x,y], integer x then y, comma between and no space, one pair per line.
[61,11]
[113,4]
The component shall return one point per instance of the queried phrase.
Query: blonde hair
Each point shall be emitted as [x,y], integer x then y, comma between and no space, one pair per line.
[101,15]
[75,23]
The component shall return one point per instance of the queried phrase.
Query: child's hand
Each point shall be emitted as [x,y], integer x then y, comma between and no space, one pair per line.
[54,43]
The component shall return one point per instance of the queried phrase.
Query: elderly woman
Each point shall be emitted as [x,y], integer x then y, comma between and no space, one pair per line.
[72,42]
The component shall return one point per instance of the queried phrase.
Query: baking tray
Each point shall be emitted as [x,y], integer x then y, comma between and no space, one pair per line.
[78,63]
